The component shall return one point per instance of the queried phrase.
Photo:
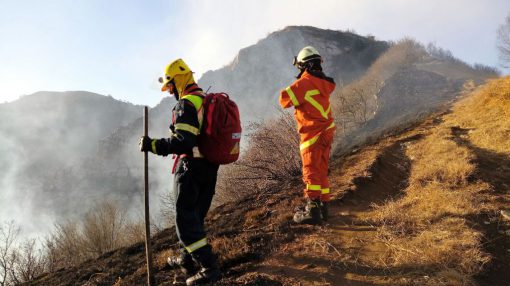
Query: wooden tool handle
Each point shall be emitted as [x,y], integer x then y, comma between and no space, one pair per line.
[148,249]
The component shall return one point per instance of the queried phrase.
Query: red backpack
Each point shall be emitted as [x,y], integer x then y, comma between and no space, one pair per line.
[220,137]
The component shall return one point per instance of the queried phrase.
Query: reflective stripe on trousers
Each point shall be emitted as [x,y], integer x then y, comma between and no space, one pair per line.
[315,160]
[197,245]
[314,139]
[194,185]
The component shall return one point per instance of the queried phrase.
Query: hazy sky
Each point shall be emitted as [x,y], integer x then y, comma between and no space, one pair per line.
[120,47]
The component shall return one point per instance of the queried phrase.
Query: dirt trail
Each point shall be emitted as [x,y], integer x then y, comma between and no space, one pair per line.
[334,253]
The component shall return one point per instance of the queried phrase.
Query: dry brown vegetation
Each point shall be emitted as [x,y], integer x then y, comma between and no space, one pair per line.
[432,225]
[356,103]
[486,116]
[270,161]
[428,227]
[104,228]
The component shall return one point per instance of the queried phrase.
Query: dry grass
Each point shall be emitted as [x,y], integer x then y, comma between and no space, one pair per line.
[439,184]
[446,246]
[436,159]
[487,116]
[427,228]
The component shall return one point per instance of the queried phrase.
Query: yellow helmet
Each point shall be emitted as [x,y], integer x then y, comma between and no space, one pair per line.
[173,69]
[306,54]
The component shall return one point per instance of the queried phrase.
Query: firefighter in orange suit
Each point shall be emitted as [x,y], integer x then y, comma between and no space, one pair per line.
[309,95]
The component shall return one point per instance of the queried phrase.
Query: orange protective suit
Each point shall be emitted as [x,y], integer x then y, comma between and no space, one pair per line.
[310,97]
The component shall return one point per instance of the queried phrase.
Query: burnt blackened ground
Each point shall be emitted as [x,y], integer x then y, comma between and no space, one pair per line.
[242,234]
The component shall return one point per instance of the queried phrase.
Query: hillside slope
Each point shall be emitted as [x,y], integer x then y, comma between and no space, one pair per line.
[400,83]
[252,79]
[46,135]
[255,77]
[417,208]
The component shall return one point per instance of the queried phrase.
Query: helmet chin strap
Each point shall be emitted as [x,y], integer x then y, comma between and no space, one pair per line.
[301,72]
[310,66]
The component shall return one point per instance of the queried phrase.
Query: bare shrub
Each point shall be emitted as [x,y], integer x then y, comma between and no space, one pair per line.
[271,160]
[503,43]
[63,246]
[356,103]
[134,232]
[8,235]
[102,229]
[29,261]
[485,69]
[19,262]
[442,54]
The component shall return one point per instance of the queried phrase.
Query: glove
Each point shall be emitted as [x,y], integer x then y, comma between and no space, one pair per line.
[146,144]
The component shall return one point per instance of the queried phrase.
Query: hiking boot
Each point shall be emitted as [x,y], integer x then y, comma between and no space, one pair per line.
[183,262]
[210,271]
[204,276]
[324,211]
[311,214]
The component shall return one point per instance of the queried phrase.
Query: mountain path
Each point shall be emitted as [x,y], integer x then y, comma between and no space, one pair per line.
[334,253]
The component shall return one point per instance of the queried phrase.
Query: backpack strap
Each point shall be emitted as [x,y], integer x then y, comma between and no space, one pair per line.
[198,102]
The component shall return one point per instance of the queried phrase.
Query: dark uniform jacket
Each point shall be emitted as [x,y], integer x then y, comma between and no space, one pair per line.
[185,125]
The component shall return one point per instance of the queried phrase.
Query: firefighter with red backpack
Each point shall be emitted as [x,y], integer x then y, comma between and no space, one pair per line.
[195,173]
[309,95]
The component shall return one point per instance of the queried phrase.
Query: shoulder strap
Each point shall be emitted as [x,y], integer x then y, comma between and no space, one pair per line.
[198,102]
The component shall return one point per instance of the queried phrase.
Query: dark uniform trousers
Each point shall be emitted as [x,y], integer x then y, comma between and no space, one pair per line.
[194,187]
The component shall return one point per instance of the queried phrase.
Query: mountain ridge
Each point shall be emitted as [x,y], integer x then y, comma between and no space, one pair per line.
[82,162]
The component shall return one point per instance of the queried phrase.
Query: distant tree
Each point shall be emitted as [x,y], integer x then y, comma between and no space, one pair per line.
[503,43]
[486,69]
[442,54]
[8,235]
[29,262]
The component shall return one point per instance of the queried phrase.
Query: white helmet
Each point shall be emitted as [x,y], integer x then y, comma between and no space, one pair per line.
[306,54]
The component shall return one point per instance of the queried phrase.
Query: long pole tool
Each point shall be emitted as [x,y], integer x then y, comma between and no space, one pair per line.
[148,249]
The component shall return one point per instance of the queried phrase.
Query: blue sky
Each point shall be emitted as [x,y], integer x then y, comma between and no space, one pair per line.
[120,47]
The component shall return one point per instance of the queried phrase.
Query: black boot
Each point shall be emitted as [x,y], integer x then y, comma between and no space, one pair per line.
[324,211]
[184,262]
[204,276]
[210,271]
[311,214]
